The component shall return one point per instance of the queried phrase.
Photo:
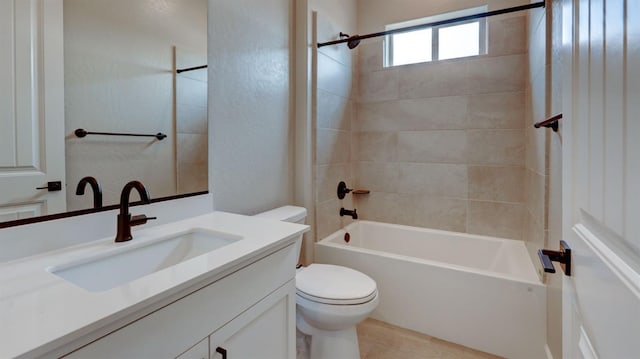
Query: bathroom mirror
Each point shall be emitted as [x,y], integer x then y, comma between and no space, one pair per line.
[120,62]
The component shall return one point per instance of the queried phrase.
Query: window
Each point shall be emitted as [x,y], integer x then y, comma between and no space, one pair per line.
[443,42]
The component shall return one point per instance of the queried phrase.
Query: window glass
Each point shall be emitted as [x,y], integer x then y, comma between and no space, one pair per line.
[459,41]
[437,43]
[412,47]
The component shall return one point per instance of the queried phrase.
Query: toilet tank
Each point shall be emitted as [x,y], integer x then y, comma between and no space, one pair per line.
[291,214]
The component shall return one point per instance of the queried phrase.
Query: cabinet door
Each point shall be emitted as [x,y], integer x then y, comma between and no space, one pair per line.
[265,331]
[199,351]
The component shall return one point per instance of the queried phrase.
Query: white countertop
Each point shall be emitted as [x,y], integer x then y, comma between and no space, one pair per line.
[40,312]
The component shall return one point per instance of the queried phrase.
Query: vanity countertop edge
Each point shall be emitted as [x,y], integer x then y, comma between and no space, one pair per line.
[41,312]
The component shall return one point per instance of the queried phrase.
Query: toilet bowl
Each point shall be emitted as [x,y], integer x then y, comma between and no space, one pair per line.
[330,300]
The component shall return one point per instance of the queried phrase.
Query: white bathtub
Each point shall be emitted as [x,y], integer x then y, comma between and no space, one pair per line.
[477,291]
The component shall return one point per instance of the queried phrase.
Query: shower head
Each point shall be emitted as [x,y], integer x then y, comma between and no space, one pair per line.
[353,42]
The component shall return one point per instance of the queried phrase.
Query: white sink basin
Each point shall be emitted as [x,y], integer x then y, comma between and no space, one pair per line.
[126,264]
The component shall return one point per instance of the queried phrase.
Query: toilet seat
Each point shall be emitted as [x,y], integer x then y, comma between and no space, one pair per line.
[335,285]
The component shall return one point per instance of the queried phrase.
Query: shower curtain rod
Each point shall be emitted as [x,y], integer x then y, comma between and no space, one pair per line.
[436,23]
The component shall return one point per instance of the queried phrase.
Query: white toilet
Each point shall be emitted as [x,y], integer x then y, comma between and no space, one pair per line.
[330,300]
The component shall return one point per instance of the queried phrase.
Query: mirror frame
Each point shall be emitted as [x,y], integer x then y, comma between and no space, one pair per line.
[61,215]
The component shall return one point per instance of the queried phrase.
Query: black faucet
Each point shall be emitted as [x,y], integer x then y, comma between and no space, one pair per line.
[125,220]
[95,186]
[346,212]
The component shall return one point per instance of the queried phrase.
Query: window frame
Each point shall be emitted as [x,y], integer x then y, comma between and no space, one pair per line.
[435,45]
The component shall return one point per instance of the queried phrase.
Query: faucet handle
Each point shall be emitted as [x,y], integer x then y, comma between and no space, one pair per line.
[140,219]
[343,190]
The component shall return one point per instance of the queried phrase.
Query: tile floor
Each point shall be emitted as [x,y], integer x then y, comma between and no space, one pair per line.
[379,340]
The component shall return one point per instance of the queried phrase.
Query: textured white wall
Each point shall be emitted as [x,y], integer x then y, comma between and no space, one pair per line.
[118,78]
[250,152]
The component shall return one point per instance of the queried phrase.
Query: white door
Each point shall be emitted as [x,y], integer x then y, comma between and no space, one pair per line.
[601,161]
[31,108]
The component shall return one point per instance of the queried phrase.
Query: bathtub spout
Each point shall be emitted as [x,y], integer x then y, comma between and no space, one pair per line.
[346,212]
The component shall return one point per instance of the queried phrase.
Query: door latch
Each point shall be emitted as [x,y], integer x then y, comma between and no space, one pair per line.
[563,256]
[52,186]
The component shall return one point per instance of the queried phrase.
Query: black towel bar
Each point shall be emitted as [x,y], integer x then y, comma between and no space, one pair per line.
[83,133]
[552,123]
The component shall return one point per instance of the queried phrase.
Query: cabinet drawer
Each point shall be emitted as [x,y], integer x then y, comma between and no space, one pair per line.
[171,330]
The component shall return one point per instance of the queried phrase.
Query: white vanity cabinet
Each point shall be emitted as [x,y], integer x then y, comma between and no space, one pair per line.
[198,351]
[250,313]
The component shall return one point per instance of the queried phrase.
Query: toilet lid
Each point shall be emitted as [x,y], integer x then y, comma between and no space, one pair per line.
[326,283]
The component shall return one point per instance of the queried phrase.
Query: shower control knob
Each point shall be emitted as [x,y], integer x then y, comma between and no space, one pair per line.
[342,190]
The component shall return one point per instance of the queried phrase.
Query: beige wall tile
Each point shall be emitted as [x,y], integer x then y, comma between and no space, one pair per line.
[370,56]
[333,147]
[536,153]
[433,79]
[334,112]
[376,176]
[497,110]
[333,76]
[442,180]
[499,147]
[380,207]
[378,85]
[535,200]
[431,136]
[497,74]
[433,212]
[534,239]
[441,113]
[414,210]
[375,146]
[327,179]
[495,183]
[327,218]
[534,236]
[433,146]
[508,36]
[538,95]
[503,220]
